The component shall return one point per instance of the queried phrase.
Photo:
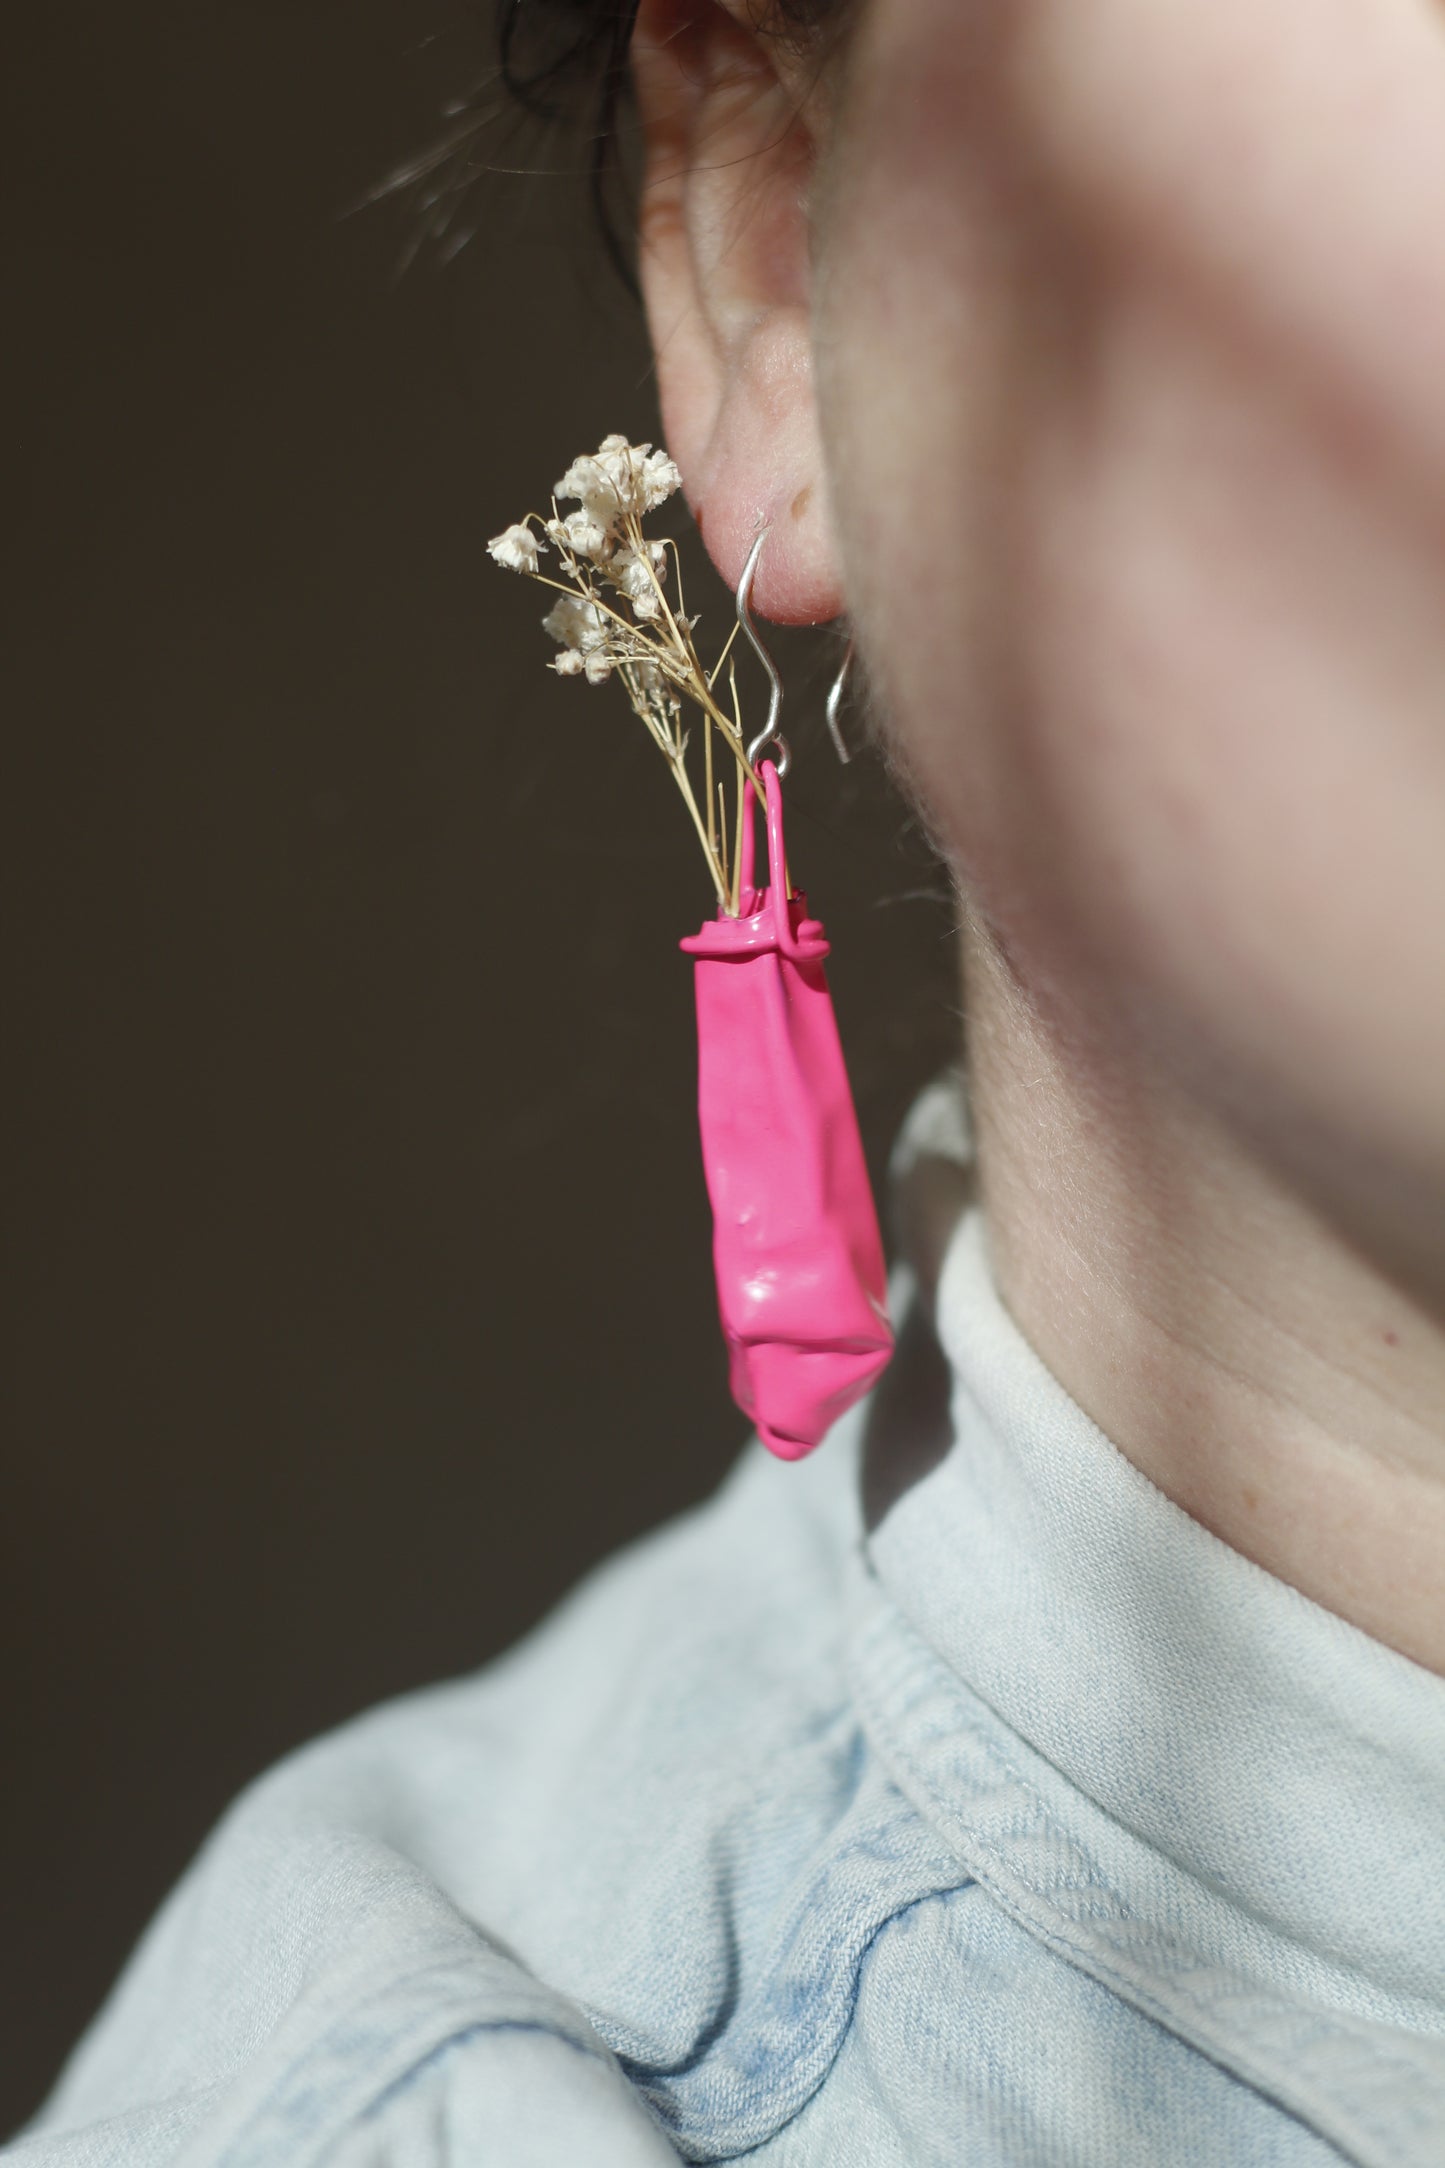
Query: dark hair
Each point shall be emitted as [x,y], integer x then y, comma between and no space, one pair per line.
[551,48]
[589,40]
[561,62]
[549,51]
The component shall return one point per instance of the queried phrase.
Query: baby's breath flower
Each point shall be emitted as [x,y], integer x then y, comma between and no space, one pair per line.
[574,622]
[589,482]
[660,478]
[620,480]
[587,535]
[652,685]
[604,562]
[632,573]
[622,468]
[516,548]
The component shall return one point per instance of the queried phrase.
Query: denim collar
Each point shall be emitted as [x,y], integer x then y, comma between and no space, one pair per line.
[1213,1795]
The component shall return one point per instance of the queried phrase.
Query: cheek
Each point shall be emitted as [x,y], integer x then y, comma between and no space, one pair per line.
[1155,617]
[1222,763]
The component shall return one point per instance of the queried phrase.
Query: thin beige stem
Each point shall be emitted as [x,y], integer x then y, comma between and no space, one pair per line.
[715,672]
[642,707]
[669,543]
[657,652]
[684,784]
[707,771]
[638,544]
[742,799]
[670,650]
[744,764]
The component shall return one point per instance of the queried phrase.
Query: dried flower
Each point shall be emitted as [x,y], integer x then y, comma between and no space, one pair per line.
[573,621]
[587,480]
[637,573]
[620,479]
[650,684]
[661,479]
[587,536]
[516,548]
[611,617]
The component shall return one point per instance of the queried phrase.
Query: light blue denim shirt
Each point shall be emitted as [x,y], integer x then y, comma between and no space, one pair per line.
[1034,1827]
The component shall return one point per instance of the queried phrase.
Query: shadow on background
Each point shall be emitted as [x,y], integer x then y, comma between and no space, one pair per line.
[360,1291]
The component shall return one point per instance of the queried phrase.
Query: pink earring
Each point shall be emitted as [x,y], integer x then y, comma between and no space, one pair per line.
[796,1249]
[799,1263]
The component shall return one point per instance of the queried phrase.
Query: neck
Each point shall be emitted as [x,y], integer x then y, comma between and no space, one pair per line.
[1245,1357]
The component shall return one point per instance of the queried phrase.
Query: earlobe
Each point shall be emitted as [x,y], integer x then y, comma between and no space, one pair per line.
[762,466]
[725,273]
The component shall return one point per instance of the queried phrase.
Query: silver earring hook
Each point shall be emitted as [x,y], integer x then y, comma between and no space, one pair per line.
[770,733]
[834,708]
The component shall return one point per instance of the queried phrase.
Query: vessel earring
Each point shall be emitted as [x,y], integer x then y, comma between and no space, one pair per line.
[798,1257]
[799,1262]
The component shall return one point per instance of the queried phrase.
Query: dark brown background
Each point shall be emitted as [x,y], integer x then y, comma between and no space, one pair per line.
[358,1277]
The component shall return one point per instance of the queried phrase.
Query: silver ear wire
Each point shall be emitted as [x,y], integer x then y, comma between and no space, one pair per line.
[834,708]
[770,733]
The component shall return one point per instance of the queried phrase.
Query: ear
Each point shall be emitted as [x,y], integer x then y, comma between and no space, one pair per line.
[725,274]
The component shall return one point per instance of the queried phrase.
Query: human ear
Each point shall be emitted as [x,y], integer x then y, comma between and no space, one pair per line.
[725,274]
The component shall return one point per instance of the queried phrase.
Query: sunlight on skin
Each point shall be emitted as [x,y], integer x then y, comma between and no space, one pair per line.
[1091,360]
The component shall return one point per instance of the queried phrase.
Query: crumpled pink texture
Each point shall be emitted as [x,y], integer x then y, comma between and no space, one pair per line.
[800,1274]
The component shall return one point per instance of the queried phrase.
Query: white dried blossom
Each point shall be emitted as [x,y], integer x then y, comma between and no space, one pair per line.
[620,480]
[576,623]
[587,536]
[589,482]
[581,535]
[660,479]
[633,574]
[652,684]
[622,466]
[605,562]
[516,548]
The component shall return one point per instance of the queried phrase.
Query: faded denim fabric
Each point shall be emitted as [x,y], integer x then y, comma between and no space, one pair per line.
[1037,1828]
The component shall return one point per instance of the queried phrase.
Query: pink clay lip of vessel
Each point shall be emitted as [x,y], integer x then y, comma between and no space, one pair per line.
[800,1272]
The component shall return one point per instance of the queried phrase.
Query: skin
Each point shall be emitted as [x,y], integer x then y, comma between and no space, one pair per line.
[1092,360]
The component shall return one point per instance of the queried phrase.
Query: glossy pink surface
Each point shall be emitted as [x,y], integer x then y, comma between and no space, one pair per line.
[800,1274]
